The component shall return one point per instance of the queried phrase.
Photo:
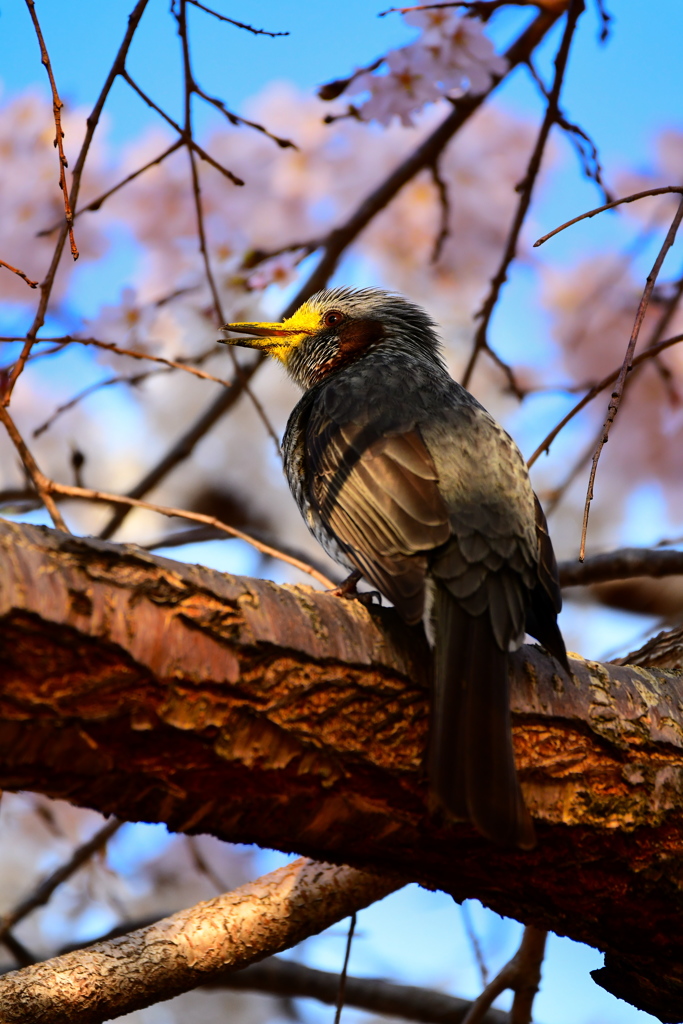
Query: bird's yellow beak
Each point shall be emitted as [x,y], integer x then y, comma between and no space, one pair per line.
[263,335]
[278,340]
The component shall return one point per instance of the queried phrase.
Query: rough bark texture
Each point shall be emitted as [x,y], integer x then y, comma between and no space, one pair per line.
[109,979]
[289,718]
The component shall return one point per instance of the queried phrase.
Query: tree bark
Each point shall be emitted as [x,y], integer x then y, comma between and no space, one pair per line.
[159,691]
[108,979]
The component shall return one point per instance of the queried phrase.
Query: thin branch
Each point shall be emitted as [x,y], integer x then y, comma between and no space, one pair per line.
[92,389]
[525,189]
[235,119]
[342,978]
[475,944]
[664,190]
[445,207]
[595,390]
[187,139]
[626,368]
[191,87]
[97,203]
[522,974]
[42,893]
[91,124]
[88,494]
[201,534]
[334,247]
[623,564]
[59,134]
[280,977]
[237,24]
[40,481]
[19,273]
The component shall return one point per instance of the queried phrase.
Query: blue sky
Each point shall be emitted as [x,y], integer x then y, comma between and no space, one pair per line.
[622,93]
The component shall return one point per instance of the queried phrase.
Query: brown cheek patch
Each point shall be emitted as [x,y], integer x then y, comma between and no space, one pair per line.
[359,335]
[354,339]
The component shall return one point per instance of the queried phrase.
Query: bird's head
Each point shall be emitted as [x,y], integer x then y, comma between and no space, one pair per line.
[337,327]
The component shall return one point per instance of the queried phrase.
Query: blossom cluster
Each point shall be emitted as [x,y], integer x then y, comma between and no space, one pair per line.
[451,57]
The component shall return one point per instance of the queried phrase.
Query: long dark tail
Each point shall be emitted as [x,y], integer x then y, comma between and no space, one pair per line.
[471,761]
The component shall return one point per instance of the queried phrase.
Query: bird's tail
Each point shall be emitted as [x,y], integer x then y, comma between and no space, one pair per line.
[471,760]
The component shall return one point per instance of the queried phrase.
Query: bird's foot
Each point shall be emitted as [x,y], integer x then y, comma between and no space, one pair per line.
[348,590]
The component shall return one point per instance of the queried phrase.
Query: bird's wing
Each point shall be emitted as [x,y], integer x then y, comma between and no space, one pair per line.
[378,494]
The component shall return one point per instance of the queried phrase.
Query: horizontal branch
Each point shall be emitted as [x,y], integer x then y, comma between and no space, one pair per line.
[291,980]
[181,952]
[623,564]
[283,716]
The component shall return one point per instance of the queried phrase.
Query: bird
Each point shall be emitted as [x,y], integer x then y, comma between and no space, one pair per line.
[406,480]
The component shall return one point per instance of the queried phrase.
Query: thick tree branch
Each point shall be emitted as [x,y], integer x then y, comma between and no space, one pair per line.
[180,952]
[287,717]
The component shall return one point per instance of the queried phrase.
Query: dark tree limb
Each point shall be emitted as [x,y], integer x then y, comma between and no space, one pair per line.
[158,691]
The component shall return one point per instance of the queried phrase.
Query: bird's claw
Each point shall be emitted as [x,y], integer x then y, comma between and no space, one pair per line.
[348,590]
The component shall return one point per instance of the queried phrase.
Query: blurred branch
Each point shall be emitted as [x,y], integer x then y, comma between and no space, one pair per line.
[42,893]
[280,977]
[595,390]
[621,565]
[333,248]
[19,273]
[522,974]
[237,24]
[626,368]
[59,134]
[40,481]
[445,207]
[665,190]
[92,121]
[525,188]
[182,952]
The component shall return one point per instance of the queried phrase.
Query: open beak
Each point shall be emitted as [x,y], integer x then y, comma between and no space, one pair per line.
[258,332]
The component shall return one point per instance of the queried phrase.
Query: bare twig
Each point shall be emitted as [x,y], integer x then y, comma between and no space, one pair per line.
[623,564]
[189,141]
[626,368]
[445,206]
[475,944]
[133,380]
[522,974]
[237,24]
[19,273]
[342,977]
[525,189]
[190,87]
[97,203]
[664,190]
[336,244]
[287,978]
[40,481]
[88,494]
[595,390]
[59,134]
[42,893]
[91,124]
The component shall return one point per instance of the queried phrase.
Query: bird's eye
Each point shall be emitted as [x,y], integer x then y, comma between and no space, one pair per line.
[333,317]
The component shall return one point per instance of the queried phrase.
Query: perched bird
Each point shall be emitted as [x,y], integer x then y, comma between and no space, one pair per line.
[405,478]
